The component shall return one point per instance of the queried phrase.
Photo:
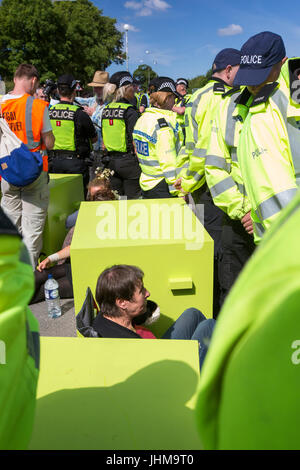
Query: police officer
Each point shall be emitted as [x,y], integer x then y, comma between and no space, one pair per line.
[118,120]
[269,146]
[158,138]
[73,130]
[140,100]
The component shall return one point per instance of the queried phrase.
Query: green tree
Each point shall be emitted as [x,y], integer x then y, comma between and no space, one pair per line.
[29,33]
[199,81]
[92,41]
[57,37]
[144,74]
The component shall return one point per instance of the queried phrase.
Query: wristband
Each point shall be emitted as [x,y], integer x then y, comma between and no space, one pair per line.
[53,258]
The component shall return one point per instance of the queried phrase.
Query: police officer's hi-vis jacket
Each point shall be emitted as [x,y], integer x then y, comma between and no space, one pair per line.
[158,138]
[269,147]
[222,171]
[19,341]
[199,115]
[62,121]
[114,131]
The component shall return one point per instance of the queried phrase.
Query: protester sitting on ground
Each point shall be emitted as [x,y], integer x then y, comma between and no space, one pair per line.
[99,189]
[122,297]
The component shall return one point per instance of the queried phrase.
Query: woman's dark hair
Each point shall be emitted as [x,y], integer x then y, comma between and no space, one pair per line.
[117,282]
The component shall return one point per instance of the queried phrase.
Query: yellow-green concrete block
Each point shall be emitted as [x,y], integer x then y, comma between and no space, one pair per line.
[125,394]
[162,237]
[66,194]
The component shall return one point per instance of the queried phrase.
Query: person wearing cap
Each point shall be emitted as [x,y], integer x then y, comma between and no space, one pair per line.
[158,138]
[73,130]
[269,146]
[181,102]
[199,116]
[94,106]
[118,120]
[140,100]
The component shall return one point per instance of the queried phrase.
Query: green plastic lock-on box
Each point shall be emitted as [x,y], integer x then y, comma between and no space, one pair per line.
[66,194]
[124,394]
[161,236]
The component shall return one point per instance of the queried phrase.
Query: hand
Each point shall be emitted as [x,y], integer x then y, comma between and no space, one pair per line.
[177,184]
[89,110]
[247,223]
[44,264]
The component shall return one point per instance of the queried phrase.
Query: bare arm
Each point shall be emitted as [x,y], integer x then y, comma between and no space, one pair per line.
[48,139]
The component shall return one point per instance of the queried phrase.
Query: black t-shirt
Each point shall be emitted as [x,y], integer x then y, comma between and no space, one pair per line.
[84,132]
[109,329]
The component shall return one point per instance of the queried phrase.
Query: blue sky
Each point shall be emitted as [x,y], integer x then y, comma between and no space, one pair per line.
[184,36]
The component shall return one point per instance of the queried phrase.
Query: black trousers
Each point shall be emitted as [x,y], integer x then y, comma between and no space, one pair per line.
[160,191]
[71,165]
[237,247]
[213,222]
[62,274]
[126,175]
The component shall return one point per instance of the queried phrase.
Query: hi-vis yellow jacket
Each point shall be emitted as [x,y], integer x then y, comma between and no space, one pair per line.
[269,148]
[158,138]
[19,341]
[222,171]
[199,114]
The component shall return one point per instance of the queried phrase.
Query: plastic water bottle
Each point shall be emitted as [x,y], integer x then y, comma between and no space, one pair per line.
[52,297]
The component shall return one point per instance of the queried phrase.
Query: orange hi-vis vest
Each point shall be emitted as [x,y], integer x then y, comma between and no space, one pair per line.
[24,116]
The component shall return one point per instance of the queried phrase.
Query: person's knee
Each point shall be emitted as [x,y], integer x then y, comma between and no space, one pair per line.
[193,313]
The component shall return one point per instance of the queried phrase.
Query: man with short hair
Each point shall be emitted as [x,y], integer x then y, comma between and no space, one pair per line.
[28,118]
[269,146]
[73,130]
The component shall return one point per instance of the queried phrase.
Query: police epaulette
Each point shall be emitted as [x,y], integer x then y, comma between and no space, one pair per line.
[162,122]
[243,97]
[232,90]
[219,87]
[264,94]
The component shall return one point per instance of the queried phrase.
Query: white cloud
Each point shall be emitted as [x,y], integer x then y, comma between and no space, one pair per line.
[230,30]
[146,7]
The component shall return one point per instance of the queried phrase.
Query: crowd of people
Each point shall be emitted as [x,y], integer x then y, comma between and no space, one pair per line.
[233,146]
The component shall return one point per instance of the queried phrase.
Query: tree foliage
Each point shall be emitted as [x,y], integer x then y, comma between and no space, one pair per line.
[199,81]
[57,38]
[144,74]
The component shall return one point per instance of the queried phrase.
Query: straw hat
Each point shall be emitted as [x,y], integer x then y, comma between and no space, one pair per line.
[100,78]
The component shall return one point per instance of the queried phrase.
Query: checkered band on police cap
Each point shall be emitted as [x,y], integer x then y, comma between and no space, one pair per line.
[121,79]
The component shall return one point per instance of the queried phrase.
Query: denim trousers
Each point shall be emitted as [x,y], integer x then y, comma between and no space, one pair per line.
[192,324]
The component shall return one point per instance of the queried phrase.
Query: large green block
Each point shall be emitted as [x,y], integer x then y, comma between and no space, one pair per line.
[163,237]
[66,193]
[116,394]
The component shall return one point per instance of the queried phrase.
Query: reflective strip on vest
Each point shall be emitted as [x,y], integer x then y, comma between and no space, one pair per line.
[195,175]
[148,162]
[259,229]
[293,130]
[275,204]
[31,143]
[233,155]
[222,186]
[218,162]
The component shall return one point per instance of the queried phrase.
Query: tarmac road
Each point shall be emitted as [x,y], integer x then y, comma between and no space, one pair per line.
[62,326]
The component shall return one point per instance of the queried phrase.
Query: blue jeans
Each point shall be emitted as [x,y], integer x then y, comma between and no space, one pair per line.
[192,324]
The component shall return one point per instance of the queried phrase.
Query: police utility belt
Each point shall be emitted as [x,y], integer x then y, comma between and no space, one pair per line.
[65,154]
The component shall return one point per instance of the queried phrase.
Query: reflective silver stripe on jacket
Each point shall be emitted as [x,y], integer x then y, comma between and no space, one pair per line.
[233,154]
[293,130]
[222,186]
[200,153]
[230,122]
[218,162]
[194,111]
[196,176]
[259,229]
[31,143]
[275,204]
[148,162]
